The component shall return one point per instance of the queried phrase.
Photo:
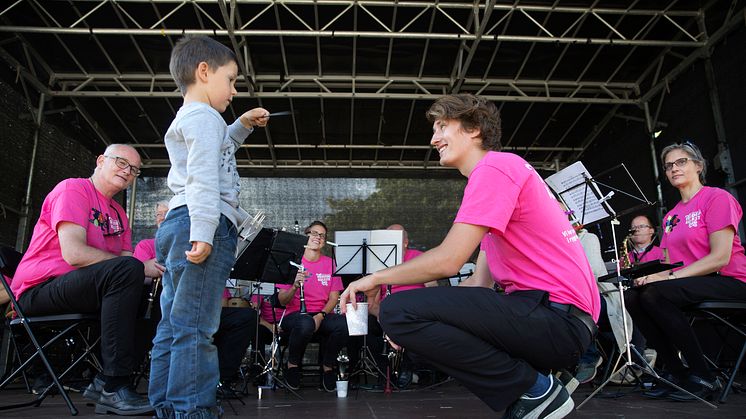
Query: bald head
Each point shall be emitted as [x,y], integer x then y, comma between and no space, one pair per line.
[405,236]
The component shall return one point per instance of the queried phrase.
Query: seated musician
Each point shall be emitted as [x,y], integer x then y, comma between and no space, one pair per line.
[235,333]
[321,291]
[702,232]
[149,313]
[643,249]
[405,374]
[80,261]
[610,318]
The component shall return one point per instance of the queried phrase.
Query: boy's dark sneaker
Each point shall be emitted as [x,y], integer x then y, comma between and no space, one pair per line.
[555,404]
[292,378]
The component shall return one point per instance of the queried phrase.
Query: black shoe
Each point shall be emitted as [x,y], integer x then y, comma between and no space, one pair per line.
[42,382]
[404,379]
[292,378]
[555,404]
[93,391]
[699,387]
[122,402]
[329,381]
[660,389]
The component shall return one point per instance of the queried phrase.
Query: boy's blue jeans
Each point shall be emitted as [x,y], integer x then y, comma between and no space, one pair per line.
[184,370]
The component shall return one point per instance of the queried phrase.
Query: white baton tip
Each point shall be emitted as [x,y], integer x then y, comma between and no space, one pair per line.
[332,244]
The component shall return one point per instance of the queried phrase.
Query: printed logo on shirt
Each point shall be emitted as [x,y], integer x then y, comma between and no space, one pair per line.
[104,221]
[97,218]
[670,223]
[692,218]
[324,279]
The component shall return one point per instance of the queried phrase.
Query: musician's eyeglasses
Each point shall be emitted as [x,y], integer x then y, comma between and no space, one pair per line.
[679,163]
[322,236]
[122,163]
[118,229]
[640,227]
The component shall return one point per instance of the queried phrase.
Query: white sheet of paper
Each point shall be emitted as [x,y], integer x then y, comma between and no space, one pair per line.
[578,198]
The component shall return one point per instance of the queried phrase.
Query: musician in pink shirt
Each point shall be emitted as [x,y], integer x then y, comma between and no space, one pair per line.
[701,232]
[321,290]
[80,261]
[546,316]
[642,234]
[409,254]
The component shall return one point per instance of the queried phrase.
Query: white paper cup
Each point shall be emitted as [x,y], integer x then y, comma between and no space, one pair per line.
[357,320]
[342,389]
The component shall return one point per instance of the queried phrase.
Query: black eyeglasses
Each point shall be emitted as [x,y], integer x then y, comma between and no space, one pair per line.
[679,163]
[122,163]
[116,230]
[640,227]
[322,236]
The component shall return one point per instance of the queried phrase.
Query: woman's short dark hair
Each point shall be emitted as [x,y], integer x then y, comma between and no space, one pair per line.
[692,151]
[191,50]
[473,112]
[315,223]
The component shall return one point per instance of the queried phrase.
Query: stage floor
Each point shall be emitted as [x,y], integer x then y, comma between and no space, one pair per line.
[448,400]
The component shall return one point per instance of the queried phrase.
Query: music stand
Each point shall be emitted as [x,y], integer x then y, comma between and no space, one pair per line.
[365,252]
[598,203]
[270,258]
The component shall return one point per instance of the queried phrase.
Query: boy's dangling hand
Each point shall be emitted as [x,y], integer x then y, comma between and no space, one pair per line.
[199,253]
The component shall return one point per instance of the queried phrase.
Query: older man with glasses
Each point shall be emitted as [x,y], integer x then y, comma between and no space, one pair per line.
[642,233]
[80,261]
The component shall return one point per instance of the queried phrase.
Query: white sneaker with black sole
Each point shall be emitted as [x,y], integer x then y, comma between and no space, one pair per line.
[555,404]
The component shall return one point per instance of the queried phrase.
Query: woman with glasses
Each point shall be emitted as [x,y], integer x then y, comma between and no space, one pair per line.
[699,231]
[320,291]
[643,249]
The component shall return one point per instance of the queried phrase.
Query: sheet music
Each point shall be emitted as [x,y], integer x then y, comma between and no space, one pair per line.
[348,253]
[381,245]
[573,175]
[382,242]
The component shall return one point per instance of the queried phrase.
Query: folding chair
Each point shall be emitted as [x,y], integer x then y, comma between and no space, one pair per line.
[61,326]
[730,315]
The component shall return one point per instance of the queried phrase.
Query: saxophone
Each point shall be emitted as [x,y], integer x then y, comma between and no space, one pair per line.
[624,262]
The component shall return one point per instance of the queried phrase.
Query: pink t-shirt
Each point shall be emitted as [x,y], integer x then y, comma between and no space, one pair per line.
[145,250]
[651,253]
[687,228]
[530,244]
[76,201]
[317,287]
[408,255]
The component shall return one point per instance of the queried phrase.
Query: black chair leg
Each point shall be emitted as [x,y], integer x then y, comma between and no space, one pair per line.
[733,373]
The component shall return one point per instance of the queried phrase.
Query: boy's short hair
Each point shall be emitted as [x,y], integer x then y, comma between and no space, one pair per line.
[191,50]
[474,112]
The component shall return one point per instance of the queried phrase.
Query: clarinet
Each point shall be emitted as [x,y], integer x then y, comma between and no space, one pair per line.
[296,228]
[151,297]
[302,300]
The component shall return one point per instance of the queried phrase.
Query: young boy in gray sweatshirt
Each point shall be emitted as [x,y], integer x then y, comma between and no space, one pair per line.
[197,240]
